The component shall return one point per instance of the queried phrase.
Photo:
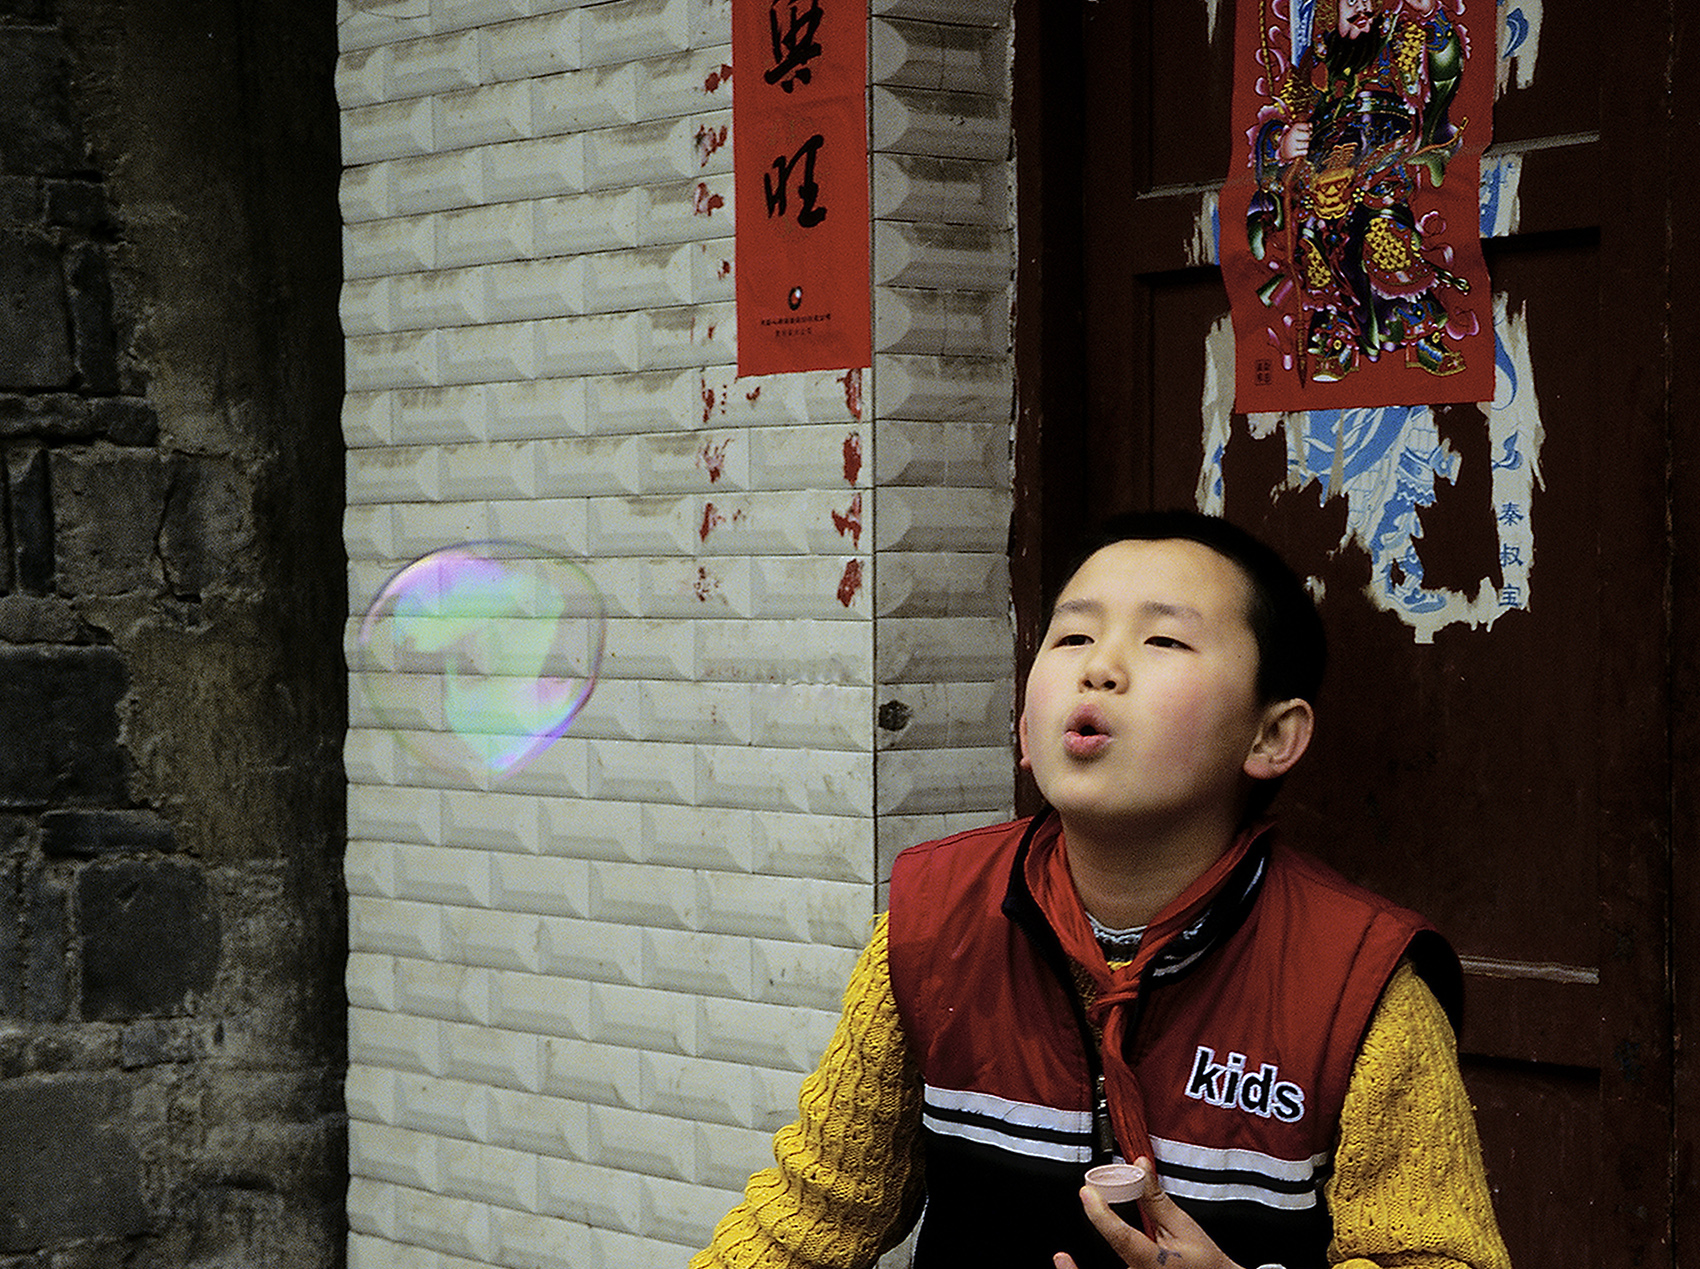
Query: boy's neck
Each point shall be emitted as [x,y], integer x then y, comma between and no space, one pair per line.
[1127,879]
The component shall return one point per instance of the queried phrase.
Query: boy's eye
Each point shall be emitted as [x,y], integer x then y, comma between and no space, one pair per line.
[1168,641]
[1072,641]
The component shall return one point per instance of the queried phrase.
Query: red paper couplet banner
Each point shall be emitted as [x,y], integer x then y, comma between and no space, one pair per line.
[800,181]
[1350,223]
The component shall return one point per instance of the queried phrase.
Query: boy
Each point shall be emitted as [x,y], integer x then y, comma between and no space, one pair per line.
[1143,972]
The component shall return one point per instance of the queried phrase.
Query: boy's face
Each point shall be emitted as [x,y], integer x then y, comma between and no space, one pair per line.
[1142,707]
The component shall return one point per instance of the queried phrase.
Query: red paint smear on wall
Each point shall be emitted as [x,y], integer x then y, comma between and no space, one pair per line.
[707,400]
[706,204]
[709,140]
[852,457]
[852,381]
[850,583]
[711,519]
[851,521]
[712,456]
[717,78]
[706,585]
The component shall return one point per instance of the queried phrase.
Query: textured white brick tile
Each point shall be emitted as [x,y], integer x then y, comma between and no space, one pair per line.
[490,821]
[595,1074]
[453,297]
[726,401]
[519,290]
[699,837]
[805,586]
[696,1090]
[915,782]
[680,85]
[656,525]
[368,868]
[589,1195]
[774,1098]
[365,26]
[409,702]
[361,77]
[484,115]
[366,418]
[371,1218]
[593,344]
[544,168]
[369,978]
[811,716]
[556,771]
[716,586]
[484,1055]
[592,950]
[436,182]
[946,257]
[601,221]
[382,1153]
[540,1004]
[457,15]
[478,354]
[910,320]
[432,989]
[712,279]
[816,651]
[822,456]
[690,210]
[639,1018]
[821,782]
[696,713]
[543,1242]
[729,1155]
[952,191]
[369,757]
[423,527]
[548,886]
[488,1174]
[629,29]
[531,47]
[652,153]
[592,829]
[679,1212]
[394,1041]
[370,1094]
[914,519]
[408,360]
[702,334]
[436,64]
[950,454]
[801,974]
[640,278]
[582,466]
[366,306]
[613,712]
[632,894]
[599,97]
[838,848]
[712,25]
[941,584]
[931,55]
[444,1107]
[650,401]
[482,235]
[761,907]
[919,121]
[745,1033]
[544,1125]
[944,649]
[941,388]
[386,131]
[650,1145]
[439,874]
[395,928]
[555,524]
[451,1225]
[968,12]
[700,964]
[496,940]
[429,416]
[537,410]
[642,771]
[947,715]
[499,471]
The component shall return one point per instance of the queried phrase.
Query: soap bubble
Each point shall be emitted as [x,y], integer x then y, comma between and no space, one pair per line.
[480,656]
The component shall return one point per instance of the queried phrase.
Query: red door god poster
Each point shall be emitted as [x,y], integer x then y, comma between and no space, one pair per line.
[800,181]
[1350,230]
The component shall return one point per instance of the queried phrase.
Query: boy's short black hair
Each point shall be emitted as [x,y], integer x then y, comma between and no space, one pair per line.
[1292,648]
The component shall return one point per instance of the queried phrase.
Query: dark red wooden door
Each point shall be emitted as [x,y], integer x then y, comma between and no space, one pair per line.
[1526,782]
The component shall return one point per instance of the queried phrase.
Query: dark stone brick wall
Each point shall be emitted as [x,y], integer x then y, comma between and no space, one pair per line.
[172,923]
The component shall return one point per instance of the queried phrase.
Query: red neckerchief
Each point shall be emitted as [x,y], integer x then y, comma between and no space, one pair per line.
[1111,1008]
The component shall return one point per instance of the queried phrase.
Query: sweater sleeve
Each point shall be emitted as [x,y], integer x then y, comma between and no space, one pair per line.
[848,1172]
[1409,1188]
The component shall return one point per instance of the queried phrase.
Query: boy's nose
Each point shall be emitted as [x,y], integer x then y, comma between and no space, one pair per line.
[1103,671]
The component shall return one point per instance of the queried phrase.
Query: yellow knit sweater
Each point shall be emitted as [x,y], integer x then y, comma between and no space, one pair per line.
[1408,1190]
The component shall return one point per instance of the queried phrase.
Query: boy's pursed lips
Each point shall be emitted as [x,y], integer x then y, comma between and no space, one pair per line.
[1087,732]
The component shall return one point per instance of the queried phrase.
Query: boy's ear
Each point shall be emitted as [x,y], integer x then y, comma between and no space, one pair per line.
[1282,740]
[1026,763]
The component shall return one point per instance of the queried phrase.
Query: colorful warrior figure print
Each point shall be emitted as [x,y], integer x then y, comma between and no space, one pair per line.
[1340,155]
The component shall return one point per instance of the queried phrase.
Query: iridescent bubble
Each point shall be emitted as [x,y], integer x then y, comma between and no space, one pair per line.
[479,656]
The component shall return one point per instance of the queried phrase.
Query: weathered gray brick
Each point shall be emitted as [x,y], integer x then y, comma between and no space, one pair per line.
[149,935]
[69,1168]
[60,742]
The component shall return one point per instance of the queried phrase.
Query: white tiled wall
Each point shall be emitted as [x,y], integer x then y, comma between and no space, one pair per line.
[581,999]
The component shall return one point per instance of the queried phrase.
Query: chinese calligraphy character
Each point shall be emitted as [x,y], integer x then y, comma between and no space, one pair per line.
[808,215]
[795,46]
[1511,513]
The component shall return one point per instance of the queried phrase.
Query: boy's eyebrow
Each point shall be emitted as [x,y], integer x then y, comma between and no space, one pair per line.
[1151,608]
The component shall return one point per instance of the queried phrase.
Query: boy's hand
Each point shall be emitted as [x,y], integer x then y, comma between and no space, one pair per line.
[1179,1242]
